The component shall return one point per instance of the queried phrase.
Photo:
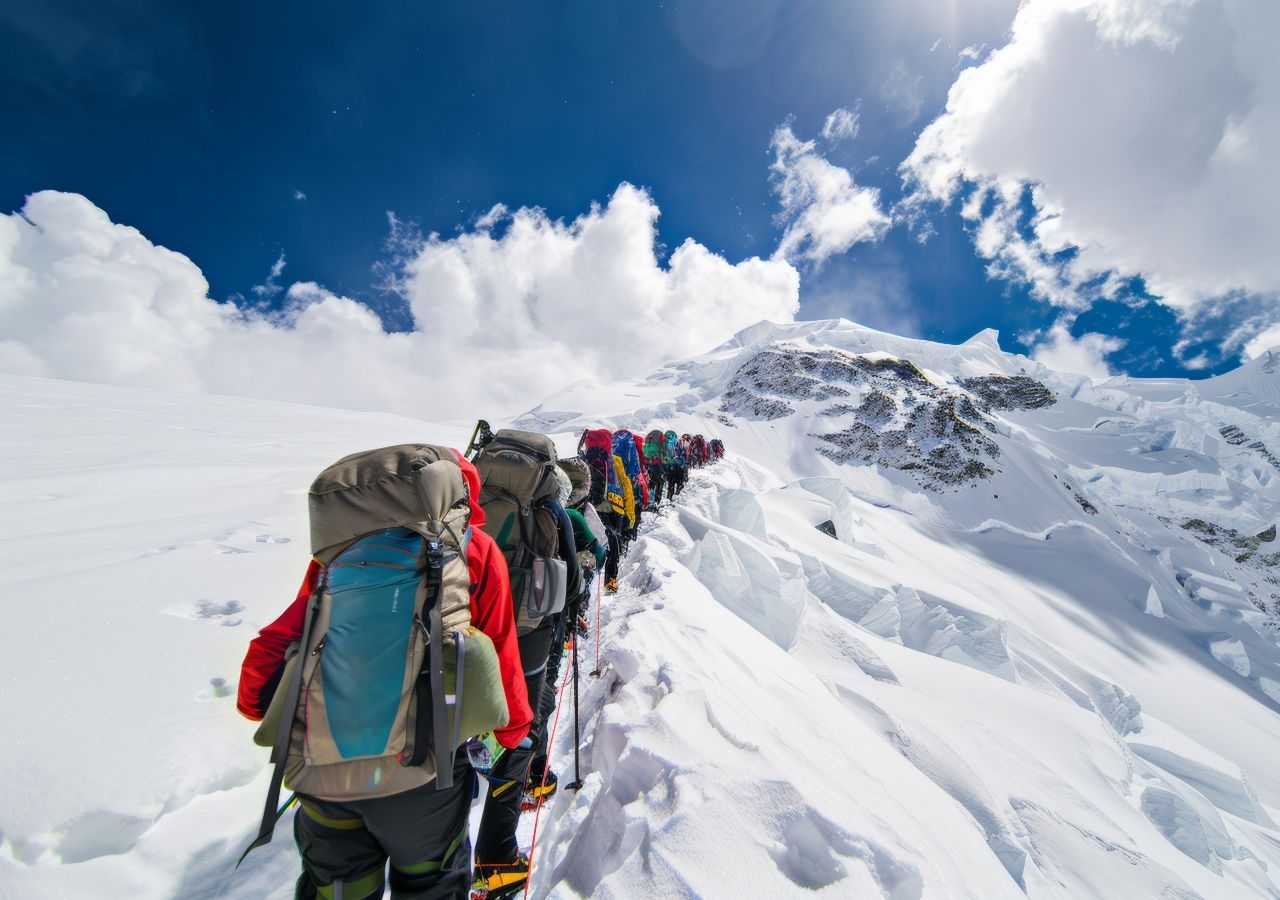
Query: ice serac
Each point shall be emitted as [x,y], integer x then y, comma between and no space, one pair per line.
[750,583]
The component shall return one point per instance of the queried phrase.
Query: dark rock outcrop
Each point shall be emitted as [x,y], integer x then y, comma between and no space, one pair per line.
[1009,391]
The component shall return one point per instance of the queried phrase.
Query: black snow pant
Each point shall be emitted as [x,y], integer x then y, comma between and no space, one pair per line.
[657,480]
[546,705]
[423,832]
[496,841]
[614,523]
[676,475]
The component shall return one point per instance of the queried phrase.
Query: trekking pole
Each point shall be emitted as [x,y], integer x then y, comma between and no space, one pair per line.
[595,673]
[576,784]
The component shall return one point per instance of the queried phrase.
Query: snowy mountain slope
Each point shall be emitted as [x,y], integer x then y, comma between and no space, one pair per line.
[128,770]
[1067,785]
[1038,678]
[1106,676]
[147,535]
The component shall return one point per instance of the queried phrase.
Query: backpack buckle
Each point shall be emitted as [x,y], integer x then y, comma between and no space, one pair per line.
[435,552]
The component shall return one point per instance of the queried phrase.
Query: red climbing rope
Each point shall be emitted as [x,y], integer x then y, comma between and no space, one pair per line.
[551,739]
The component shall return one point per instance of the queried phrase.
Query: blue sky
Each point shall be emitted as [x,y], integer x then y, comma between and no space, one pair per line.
[237,132]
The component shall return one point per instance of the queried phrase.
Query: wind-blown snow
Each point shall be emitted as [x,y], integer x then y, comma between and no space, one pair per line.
[1058,678]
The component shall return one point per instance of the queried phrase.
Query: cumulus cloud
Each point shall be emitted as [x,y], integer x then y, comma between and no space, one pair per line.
[498,322]
[1118,138]
[1084,355]
[824,212]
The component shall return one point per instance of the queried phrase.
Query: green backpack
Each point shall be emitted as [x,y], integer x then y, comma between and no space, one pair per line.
[517,477]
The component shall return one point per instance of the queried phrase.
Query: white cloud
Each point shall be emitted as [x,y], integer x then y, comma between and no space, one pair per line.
[496,214]
[1084,355]
[900,92]
[1197,363]
[841,125]
[1146,133]
[584,299]
[824,212]
[298,195]
[1265,340]
[498,323]
[271,287]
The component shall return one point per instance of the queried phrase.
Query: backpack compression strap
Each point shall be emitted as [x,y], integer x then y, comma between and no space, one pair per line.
[433,588]
[460,642]
[439,719]
[280,750]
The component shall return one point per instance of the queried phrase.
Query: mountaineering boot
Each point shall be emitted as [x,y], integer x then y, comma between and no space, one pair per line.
[494,881]
[611,586]
[539,790]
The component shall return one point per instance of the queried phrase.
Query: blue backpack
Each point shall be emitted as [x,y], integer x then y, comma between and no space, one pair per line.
[624,447]
[670,448]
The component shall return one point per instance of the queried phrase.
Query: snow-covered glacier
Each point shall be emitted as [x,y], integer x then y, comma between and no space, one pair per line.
[1031,650]
[1057,599]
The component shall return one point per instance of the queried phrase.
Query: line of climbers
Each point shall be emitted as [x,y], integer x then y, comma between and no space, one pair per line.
[426,643]
[629,474]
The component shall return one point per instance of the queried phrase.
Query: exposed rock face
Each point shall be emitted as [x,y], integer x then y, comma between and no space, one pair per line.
[1237,438]
[1240,547]
[877,410]
[1245,549]
[1010,391]
[1085,504]
[786,372]
[890,414]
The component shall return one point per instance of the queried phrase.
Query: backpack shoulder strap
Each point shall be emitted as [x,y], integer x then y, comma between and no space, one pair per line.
[280,749]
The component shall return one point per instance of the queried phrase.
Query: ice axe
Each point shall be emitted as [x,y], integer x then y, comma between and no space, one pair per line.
[480,437]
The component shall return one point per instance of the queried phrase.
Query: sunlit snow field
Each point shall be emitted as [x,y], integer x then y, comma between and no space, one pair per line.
[979,689]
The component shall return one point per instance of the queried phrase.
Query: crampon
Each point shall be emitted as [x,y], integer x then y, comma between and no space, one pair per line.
[498,881]
[539,790]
